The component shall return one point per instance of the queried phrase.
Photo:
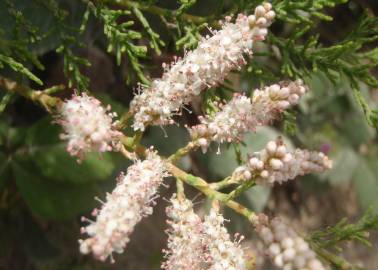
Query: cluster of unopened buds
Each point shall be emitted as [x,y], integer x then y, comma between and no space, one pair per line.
[288,250]
[195,243]
[275,164]
[242,114]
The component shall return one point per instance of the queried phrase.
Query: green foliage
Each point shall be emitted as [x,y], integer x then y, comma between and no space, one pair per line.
[155,41]
[333,237]
[121,37]
[6,99]
[348,58]
[52,200]
[303,12]
[68,39]
[17,48]
[342,59]
[18,67]
[330,240]
[191,36]
[14,45]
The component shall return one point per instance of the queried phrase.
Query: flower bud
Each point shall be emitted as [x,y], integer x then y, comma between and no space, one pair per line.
[260,11]
[270,15]
[271,147]
[276,164]
[267,6]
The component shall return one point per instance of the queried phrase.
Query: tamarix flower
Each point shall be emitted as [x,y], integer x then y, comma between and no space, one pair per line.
[285,247]
[242,114]
[87,126]
[223,253]
[185,237]
[276,164]
[129,202]
[194,244]
[201,68]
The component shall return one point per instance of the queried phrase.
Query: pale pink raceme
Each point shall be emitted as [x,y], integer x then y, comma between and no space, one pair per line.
[232,120]
[276,164]
[131,200]
[201,68]
[285,247]
[186,250]
[223,253]
[87,126]
[242,114]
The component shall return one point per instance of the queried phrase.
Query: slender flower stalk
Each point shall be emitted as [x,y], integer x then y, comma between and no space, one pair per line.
[88,127]
[243,114]
[186,250]
[285,247]
[276,164]
[201,68]
[131,200]
[223,253]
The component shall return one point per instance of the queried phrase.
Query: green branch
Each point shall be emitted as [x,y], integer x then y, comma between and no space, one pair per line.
[182,151]
[48,102]
[205,188]
[18,67]
[159,11]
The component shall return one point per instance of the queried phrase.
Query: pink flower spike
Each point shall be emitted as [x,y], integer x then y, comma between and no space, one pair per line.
[130,201]
[204,67]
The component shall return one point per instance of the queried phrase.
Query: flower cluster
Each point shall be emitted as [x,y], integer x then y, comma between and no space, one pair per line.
[242,114]
[185,243]
[87,126]
[196,244]
[286,248]
[130,201]
[201,68]
[276,164]
[224,254]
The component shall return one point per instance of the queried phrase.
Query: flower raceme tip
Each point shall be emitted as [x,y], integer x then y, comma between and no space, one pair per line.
[243,114]
[275,164]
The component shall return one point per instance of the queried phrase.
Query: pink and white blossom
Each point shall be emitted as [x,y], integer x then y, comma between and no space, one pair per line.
[88,127]
[223,253]
[130,201]
[204,67]
[185,249]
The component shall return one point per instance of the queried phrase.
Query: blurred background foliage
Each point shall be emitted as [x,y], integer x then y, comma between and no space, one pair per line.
[107,47]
